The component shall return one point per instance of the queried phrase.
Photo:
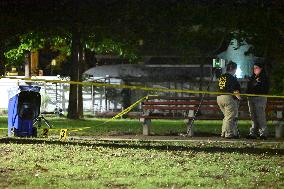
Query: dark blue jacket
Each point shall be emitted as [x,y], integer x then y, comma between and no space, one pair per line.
[258,84]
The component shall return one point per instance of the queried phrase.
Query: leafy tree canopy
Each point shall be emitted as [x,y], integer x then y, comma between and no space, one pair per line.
[37,40]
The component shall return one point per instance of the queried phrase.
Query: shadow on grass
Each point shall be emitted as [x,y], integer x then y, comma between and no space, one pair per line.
[152,146]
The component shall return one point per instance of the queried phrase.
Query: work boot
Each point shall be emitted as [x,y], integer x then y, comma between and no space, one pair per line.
[233,137]
[262,137]
[251,137]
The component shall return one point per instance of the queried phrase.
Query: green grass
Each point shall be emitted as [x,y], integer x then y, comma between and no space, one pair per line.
[47,163]
[134,127]
[29,163]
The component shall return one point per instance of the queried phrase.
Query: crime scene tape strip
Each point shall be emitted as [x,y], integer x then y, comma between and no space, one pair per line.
[88,83]
[57,129]
[126,110]
[71,129]
[131,107]
[115,117]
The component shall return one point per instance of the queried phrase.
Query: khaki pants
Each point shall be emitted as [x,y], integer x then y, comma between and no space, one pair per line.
[229,106]
[257,107]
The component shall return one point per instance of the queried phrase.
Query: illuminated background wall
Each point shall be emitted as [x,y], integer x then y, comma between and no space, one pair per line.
[238,55]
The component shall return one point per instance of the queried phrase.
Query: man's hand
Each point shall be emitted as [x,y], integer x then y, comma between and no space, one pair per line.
[257,79]
[237,94]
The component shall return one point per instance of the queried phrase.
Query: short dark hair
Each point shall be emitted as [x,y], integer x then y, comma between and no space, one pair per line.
[259,63]
[231,66]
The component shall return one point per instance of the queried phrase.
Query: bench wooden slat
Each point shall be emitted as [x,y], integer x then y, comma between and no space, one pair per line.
[206,117]
[177,108]
[180,103]
[190,104]
[214,108]
[205,98]
[178,98]
[196,102]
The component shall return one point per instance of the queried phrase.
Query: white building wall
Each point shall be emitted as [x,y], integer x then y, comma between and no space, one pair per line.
[57,95]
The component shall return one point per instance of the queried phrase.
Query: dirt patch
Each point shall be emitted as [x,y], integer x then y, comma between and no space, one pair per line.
[174,138]
[6,170]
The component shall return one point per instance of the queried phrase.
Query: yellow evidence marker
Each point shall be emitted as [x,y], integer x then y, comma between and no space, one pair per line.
[63,134]
[45,133]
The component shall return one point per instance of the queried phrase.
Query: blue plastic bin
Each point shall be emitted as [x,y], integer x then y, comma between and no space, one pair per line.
[23,108]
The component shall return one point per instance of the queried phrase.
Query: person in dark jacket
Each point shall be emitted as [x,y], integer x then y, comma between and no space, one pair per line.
[258,84]
[229,104]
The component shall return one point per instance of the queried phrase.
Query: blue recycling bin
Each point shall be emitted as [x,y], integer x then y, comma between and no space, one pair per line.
[23,109]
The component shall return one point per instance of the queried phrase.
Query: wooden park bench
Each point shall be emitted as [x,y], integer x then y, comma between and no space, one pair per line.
[161,107]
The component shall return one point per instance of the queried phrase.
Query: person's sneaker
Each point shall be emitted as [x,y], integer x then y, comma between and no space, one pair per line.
[251,137]
[263,137]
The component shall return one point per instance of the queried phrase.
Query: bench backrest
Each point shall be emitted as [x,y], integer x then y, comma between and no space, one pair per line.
[180,105]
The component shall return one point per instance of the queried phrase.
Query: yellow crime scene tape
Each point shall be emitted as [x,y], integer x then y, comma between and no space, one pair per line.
[63,132]
[73,129]
[119,115]
[131,107]
[133,87]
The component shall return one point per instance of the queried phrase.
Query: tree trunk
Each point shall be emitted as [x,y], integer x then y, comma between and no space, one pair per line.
[74,76]
[126,96]
[27,65]
[80,87]
[2,64]
[34,62]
